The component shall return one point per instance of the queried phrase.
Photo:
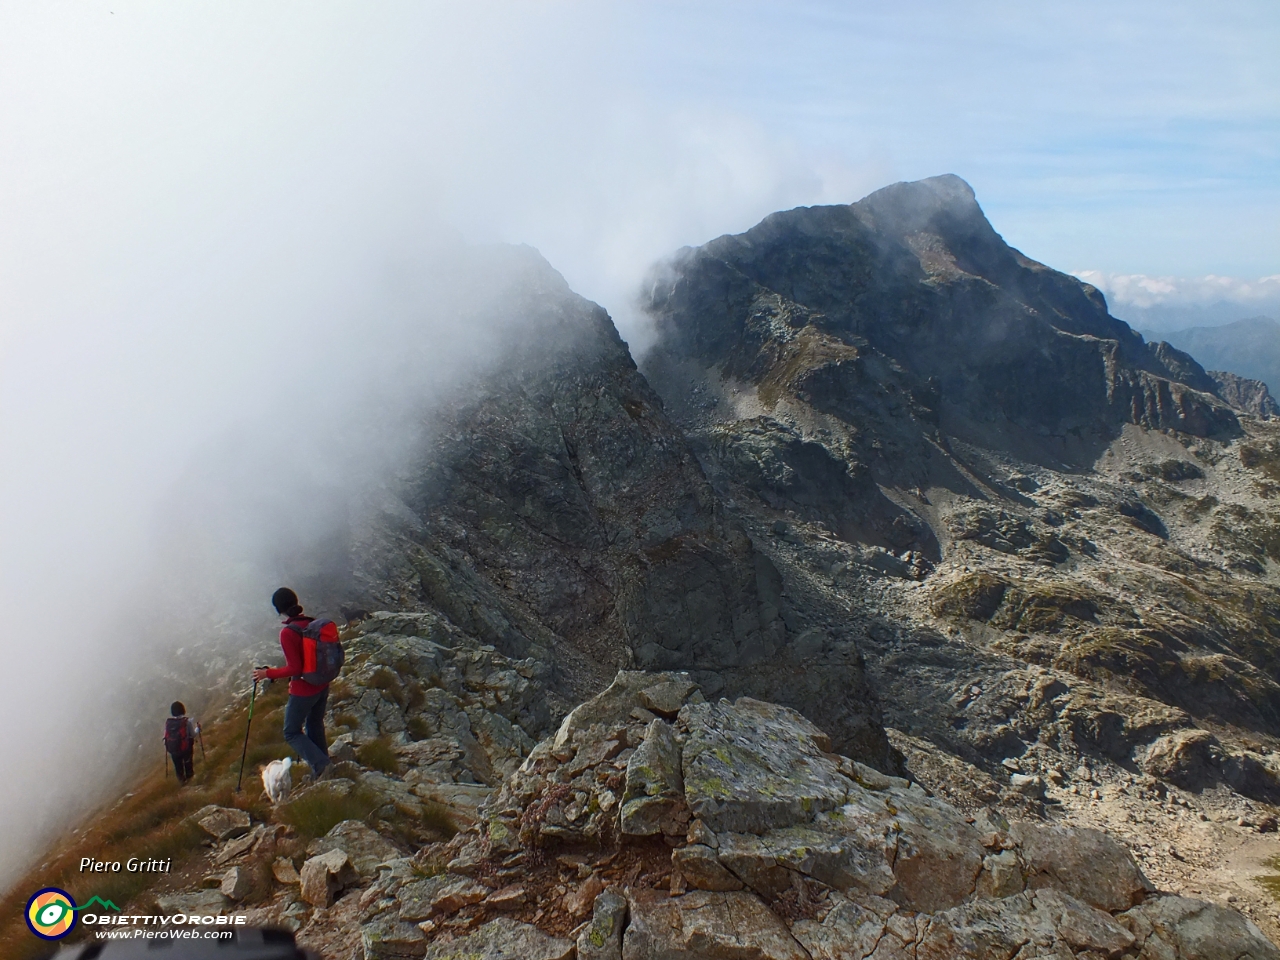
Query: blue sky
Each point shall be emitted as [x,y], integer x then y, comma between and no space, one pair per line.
[1127,137]
[1122,138]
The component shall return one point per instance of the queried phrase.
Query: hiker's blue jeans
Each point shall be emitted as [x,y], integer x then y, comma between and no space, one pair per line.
[308,712]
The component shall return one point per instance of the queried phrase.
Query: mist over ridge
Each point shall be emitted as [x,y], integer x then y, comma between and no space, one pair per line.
[248,254]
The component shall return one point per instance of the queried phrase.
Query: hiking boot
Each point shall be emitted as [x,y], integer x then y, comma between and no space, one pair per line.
[325,773]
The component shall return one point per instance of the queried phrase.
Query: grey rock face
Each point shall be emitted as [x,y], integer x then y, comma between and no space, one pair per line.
[886,391]
[222,823]
[813,301]
[324,876]
[703,924]
[1178,926]
[1251,396]
[503,939]
[882,871]
[557,513]
[365,848]
[1084,863]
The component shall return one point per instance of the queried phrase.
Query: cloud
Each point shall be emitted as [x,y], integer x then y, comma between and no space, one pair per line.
[1159,305]
[1144,292]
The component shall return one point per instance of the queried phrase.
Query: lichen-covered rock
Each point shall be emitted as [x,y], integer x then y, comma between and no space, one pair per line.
[654,794]
[849,929]
[612,707]
[416,898]
[753,766]
[386,938]
[707,926]
[601,939]
[839,861]
[502,939]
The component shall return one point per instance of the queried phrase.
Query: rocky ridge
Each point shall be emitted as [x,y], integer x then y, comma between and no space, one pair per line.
[657,823]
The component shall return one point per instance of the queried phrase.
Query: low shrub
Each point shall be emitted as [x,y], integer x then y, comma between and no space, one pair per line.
[317,811]
[379,755]
[383,679]
[418,727]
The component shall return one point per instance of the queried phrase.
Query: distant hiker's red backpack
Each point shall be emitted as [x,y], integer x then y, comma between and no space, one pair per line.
[322,653]
[177,735]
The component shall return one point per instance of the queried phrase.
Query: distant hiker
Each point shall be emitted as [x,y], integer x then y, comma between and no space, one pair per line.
[180,733]
[312,657]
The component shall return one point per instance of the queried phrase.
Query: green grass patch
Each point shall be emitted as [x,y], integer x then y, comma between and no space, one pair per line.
[152,821]
[1271,882]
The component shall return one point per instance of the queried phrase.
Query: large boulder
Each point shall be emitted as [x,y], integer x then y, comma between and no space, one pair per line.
[705,925]
[323,877]
[502,939]
[1180,927]
[222,823]
[364,846]
[753,766]
[1187,758]
[1087,864]
[601,939]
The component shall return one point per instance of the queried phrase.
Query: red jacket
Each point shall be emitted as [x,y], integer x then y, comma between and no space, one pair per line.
[291,644]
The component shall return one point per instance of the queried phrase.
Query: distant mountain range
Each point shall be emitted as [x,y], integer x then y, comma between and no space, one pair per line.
[1249,348]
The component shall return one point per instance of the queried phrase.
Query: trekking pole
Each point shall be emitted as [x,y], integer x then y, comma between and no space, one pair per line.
[200,734]
[243,753]
[166,763]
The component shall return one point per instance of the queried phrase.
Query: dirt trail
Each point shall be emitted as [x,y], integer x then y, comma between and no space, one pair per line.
[1187,843]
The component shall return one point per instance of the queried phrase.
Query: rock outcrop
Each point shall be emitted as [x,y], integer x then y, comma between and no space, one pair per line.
[768,845]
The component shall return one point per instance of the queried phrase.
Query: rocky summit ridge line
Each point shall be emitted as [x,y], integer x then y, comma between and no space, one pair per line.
[933,588]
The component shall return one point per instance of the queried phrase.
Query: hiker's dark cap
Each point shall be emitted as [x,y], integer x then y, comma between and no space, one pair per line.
[286,602]
[177,708]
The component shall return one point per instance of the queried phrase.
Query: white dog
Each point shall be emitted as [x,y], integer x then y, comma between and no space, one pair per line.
[277,780]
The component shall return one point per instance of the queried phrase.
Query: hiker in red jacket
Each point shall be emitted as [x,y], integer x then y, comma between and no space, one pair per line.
[180,733]
[307,701]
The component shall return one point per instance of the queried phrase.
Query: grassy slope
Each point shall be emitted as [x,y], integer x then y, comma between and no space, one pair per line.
[149,820]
